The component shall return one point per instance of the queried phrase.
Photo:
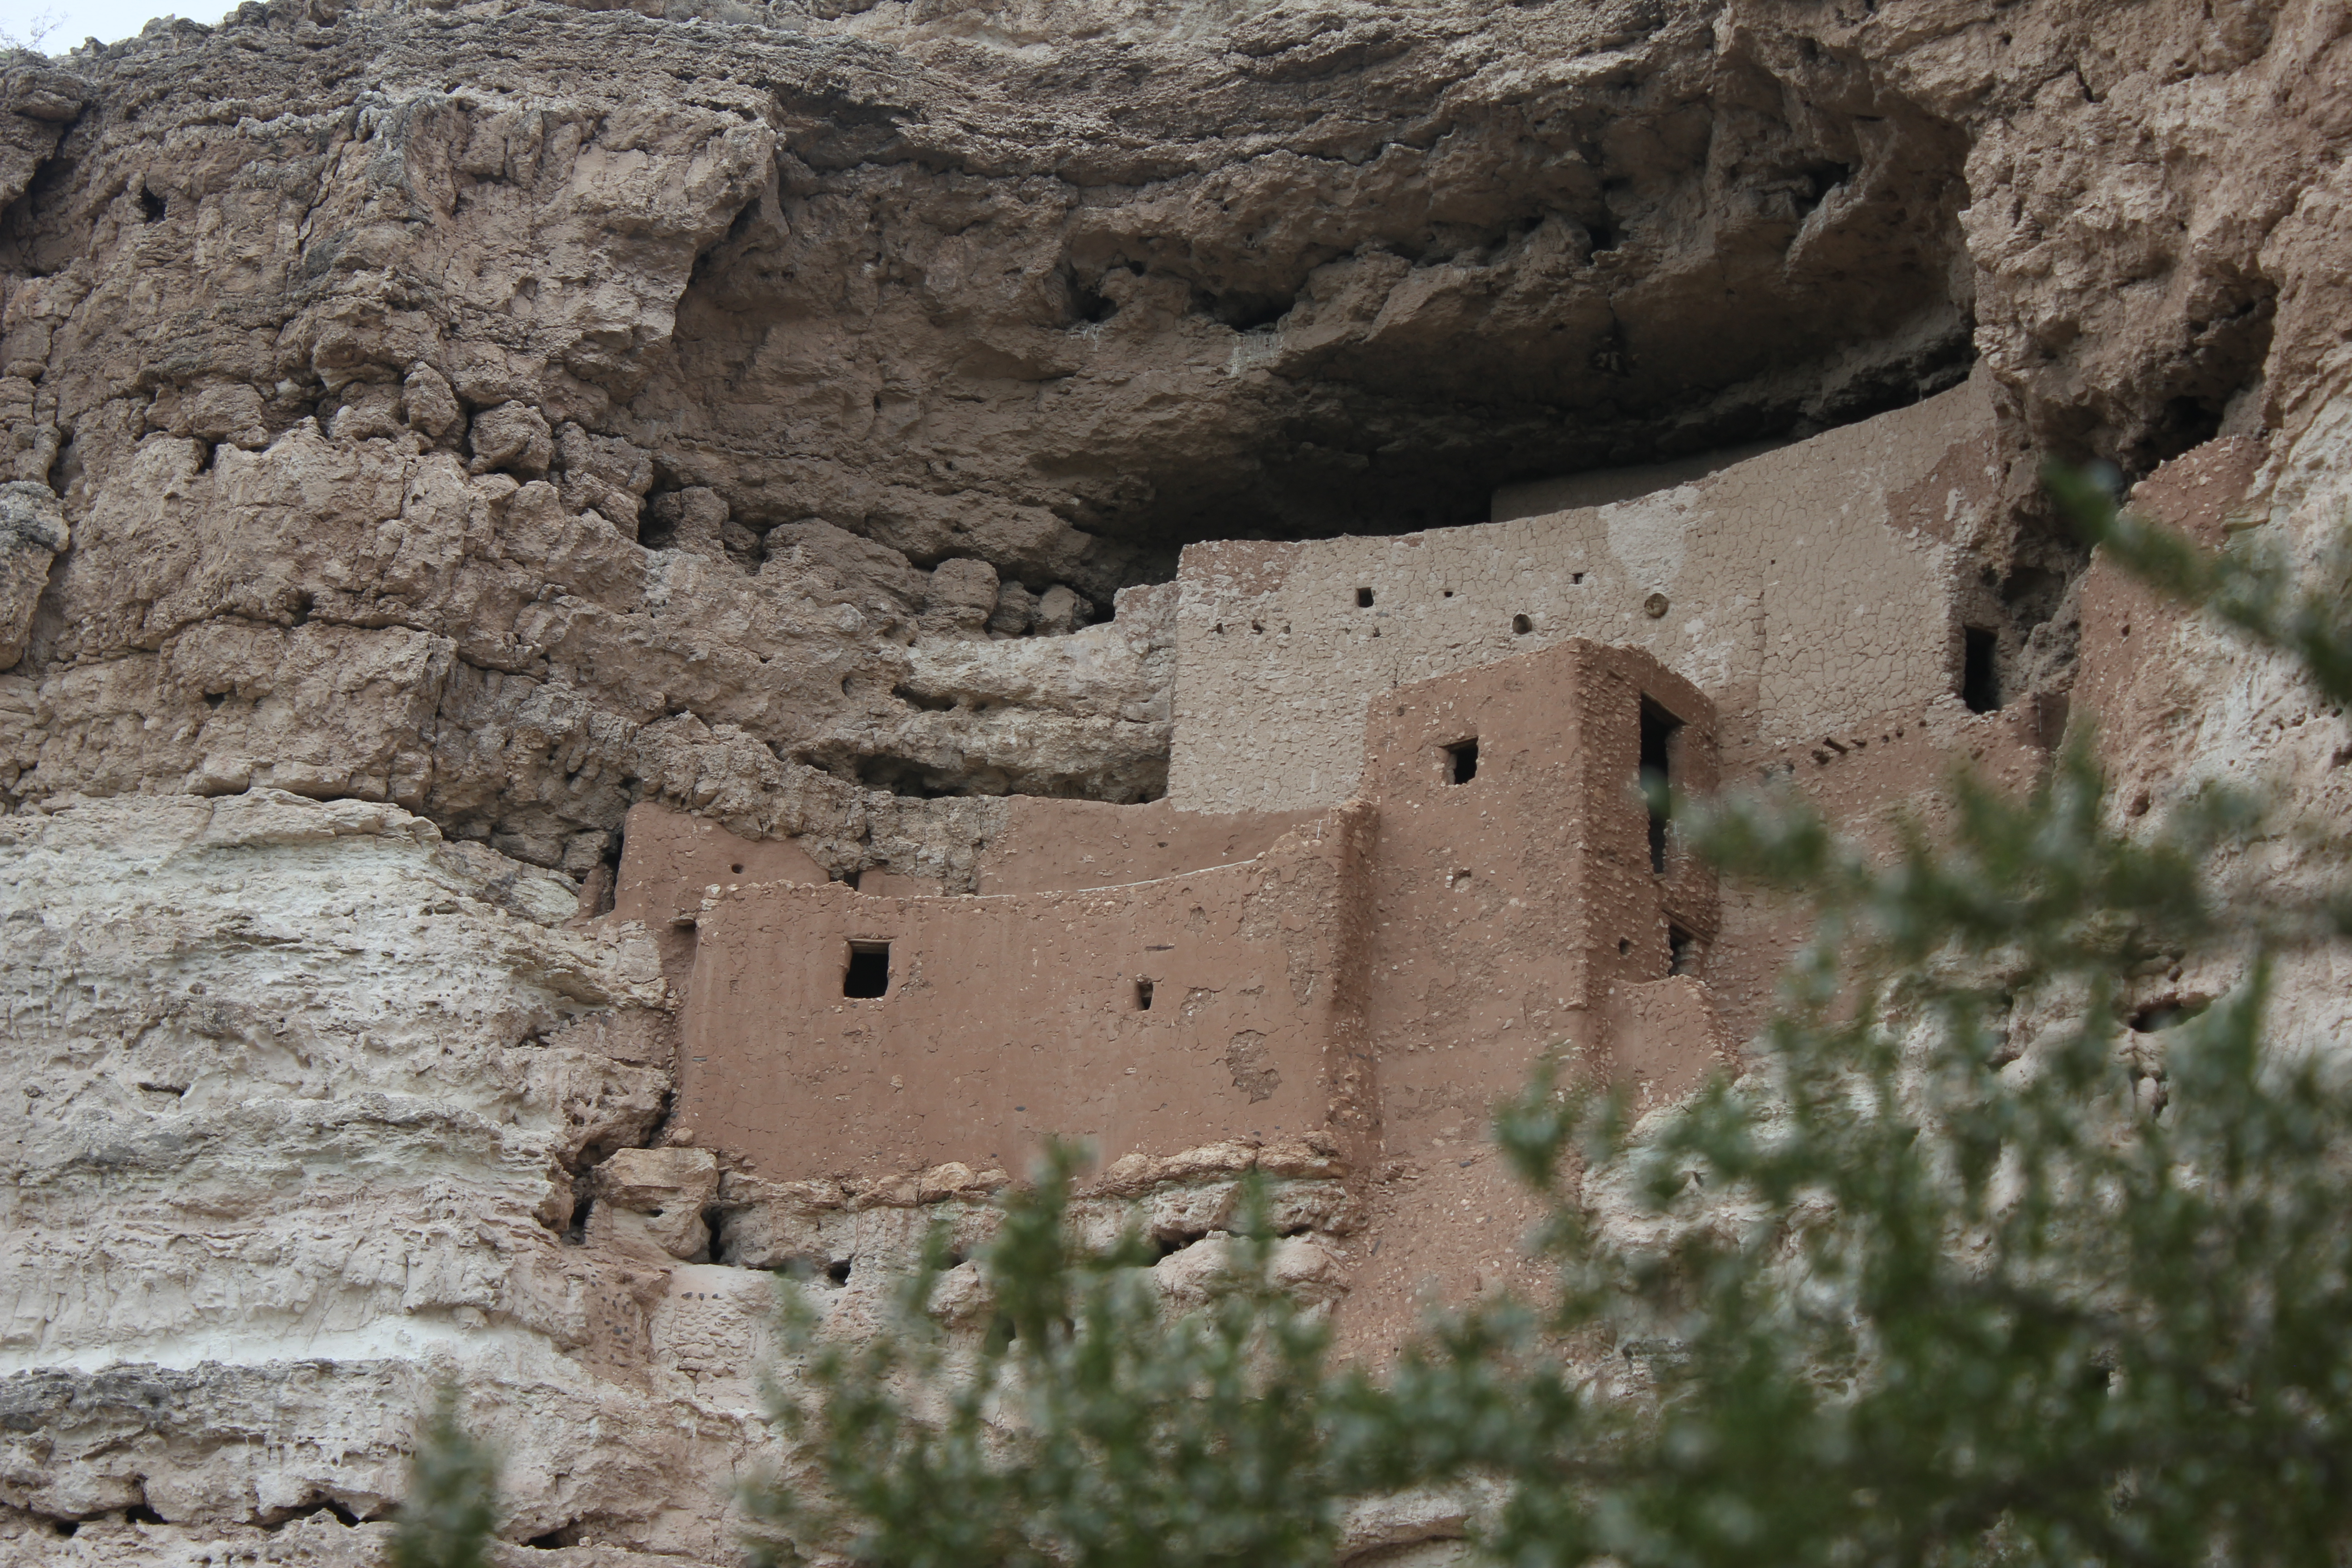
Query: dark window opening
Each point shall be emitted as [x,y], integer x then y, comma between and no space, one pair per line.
[151,206]
[1521,626]
[1682,952]
[838,1272]
[1363,599]
[1624,946]
[737,869]
[1659,729]
[2166,1013]
[868,974]
[1461,762]
[1143,996]
[1979,680]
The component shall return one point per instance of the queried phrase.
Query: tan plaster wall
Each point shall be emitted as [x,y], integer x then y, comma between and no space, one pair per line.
[1499,905]
[1601,487]
[1012,1017]
[1380,973]
[2130,682]
[1804,589]
[1050,845]
[669,860]
[1866,778]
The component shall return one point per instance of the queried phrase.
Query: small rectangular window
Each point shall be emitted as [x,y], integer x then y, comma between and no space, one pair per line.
[1462,761]
[1682,952]
[1363,599]
[1143,996]
[1659,731]
[868,974]
[1980,676]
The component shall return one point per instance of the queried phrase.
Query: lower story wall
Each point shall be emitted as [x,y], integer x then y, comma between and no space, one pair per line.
[1142,1018]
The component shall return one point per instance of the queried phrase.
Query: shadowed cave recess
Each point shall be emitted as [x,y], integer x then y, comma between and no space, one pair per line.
[435,438]
[890,337]
[1390,296]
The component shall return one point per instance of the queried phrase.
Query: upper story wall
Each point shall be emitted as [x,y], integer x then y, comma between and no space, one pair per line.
[1048,845]
[1379,973]
[1803,589]
[1506,904]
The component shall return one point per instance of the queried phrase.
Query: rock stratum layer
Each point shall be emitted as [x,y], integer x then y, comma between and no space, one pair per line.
[432,430]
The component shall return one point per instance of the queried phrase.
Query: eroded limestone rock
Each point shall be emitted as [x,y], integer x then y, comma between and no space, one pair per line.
[32,531]
[465,423]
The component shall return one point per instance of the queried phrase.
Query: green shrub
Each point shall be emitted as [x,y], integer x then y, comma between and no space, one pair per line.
[1915,1288]
[453,1495]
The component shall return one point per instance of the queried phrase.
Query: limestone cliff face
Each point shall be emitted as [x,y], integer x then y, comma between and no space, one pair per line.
[430,429]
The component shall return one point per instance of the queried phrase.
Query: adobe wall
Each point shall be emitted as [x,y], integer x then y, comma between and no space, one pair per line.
[1381,972]
[1604,486]
[1010,1018]
[1507,910]
[668,860]
[1048,845]
[1802,590]
[1866,778]
[2131,688]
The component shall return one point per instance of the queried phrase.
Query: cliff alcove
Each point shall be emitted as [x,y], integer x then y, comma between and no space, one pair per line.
[433,432]
[1345,294]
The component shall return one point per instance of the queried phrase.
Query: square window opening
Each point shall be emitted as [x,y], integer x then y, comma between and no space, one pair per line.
[1979,676]
[1682,952]
[868,974]
[1462,761]
[1363,599]
[1143,996]
[1659,732]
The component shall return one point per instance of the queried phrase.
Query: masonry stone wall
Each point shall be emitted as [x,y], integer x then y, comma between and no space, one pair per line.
[1520,912]
[1148,1017]
[1375,975]
[1803,589]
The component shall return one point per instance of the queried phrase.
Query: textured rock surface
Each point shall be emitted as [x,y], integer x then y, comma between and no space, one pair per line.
[482,418]
[32,531]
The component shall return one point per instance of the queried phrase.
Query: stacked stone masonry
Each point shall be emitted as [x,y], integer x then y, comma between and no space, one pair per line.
[1806,590]
[455,460]
[1493,895]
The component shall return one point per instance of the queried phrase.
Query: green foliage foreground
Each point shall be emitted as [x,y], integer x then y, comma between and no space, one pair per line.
[1963,1269]
[453,1495]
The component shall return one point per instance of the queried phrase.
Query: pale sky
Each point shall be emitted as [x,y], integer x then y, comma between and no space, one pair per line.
[71,21]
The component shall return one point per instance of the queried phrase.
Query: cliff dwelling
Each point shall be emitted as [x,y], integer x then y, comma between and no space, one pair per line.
[1406,852]
[640,642]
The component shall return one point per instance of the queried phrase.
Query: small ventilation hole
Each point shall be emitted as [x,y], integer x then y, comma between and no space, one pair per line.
[1363,599]
[1461,762]
[1143,996]
[1521,626]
